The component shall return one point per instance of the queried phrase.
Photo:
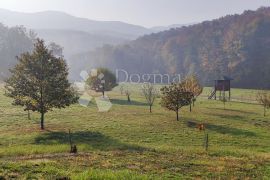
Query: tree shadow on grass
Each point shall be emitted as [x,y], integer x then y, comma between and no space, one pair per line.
[221,129]
[231,117]
[227,116]
[232,110]
[229,130]
[95,140]
[125,102]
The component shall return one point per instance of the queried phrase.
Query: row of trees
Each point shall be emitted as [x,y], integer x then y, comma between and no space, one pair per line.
[174,96]
[39,82]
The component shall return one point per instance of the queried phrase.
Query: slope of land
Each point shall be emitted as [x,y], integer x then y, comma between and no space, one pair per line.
[128,142]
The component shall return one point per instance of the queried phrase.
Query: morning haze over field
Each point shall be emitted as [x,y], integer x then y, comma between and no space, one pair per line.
[116,89]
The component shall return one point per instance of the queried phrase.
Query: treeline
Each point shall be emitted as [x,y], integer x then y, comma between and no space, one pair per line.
[235,45]
[13,42]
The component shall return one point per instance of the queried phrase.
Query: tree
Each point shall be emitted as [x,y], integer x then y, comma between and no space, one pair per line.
[150,93]
[57,50]
[174,97]
[128,93]
[223,99]
[102,80]
[263,97]
[122,89]
[191,84]
[39,82]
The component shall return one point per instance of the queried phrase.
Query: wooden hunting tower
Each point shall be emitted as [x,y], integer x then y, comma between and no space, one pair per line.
[222,84]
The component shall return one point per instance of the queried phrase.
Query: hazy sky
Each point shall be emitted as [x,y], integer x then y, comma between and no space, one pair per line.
[141,12]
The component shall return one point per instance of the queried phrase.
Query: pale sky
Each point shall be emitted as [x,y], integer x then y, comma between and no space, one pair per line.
[147,13]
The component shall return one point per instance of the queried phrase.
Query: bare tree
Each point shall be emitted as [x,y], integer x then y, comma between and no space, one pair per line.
[223,99]
[128,93]
[122,89]
[191,84]
[150,93]
[263,97]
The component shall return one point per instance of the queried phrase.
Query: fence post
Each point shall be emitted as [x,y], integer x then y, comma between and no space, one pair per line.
[206,142]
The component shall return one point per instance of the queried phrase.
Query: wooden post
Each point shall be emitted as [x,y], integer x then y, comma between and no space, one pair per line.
[70,142]
[215,90]
[103,91]
[73,148]
[206,142]
[229,90]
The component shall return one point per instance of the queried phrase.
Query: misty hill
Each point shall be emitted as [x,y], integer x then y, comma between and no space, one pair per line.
[60,20]
[75,35]
[75,42]
[235,45]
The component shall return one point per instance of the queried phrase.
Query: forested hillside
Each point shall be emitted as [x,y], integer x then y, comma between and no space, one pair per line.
[13,42]
[235,45]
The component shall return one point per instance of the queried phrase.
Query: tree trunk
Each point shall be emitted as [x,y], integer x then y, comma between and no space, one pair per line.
[128,98]
[190,109]
[150,108]
[264,114]
[42,121]
[28,114]
[177,115]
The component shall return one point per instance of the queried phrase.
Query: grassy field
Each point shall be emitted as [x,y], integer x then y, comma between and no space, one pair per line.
[130,143]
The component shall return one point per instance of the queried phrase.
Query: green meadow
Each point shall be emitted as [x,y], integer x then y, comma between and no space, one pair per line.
[128,142]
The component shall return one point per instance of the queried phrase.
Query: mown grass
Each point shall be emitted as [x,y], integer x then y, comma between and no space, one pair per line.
[130,143]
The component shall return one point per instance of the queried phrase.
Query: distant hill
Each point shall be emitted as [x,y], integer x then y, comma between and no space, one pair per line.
[60,20]
[74,34]
[75,42]
[234,45]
